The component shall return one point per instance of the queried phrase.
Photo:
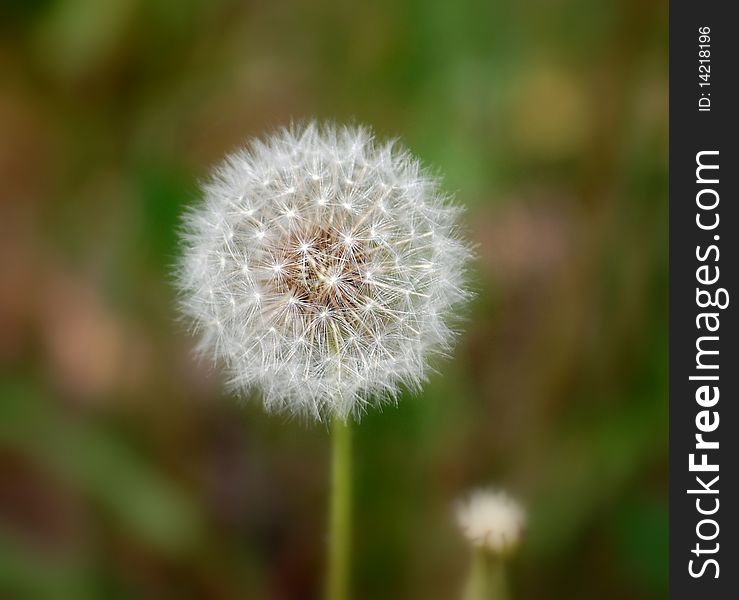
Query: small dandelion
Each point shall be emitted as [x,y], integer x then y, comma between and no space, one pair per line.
[492,520]
[493,523]
[333,265]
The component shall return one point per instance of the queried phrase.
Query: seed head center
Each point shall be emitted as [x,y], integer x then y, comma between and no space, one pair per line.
[320,271]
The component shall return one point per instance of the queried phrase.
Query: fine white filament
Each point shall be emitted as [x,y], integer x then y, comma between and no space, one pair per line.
[321,268]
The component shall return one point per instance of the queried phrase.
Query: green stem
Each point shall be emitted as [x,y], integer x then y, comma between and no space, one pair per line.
[487,579]
[339,558]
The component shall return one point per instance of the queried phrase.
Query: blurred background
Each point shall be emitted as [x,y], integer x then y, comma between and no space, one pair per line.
[127,472]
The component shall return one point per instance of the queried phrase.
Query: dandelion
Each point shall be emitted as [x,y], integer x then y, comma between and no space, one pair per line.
[493,523]
[322,269]
[492,520]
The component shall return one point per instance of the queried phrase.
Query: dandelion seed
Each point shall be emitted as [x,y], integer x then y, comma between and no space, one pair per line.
[491,520]
[347,291]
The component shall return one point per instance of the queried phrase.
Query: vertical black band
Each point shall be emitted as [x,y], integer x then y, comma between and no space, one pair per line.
[704,295]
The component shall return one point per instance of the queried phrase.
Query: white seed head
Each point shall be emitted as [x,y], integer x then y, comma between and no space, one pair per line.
[491,520]
[322,269]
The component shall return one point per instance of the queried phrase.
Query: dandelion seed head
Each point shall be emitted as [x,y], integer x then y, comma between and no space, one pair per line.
[315,280]
[492,520]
